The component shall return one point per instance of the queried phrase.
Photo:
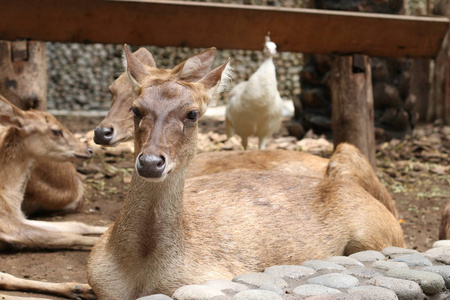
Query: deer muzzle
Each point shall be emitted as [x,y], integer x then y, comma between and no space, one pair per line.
[151,166]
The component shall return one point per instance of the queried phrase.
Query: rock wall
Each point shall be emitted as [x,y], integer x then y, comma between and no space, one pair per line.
[79,74]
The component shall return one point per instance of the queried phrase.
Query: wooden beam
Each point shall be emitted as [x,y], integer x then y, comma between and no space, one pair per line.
[195,24]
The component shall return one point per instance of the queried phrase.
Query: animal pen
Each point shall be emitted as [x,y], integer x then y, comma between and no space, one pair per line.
[352,38]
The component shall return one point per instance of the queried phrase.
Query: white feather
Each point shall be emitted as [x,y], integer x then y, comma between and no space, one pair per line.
[255,106]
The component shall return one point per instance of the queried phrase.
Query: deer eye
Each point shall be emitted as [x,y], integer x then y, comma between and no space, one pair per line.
[136,112]
[57,132]
[193,115]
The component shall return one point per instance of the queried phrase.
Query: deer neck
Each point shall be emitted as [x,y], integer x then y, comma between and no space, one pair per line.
[150,221]
[15,170]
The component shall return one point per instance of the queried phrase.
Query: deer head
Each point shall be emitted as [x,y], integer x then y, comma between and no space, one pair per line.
[43,136]
[166,112]
[117,127]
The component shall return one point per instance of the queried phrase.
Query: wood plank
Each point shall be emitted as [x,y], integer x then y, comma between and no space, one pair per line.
[195,24]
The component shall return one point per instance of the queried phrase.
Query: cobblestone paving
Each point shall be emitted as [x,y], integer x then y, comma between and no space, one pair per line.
[393,273]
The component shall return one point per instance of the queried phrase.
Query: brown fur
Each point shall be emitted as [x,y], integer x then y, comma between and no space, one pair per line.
[170,232]
[289,162]
[444,228]
[348,162]
[34,136]
[53,186]
[71,290]
[120,120]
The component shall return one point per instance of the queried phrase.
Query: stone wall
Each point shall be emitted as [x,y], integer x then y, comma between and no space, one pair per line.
[79,74]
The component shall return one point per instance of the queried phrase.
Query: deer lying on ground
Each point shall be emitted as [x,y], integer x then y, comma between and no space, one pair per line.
[31,136]
[172,232]
[53,186]
[118,127]
[35,136]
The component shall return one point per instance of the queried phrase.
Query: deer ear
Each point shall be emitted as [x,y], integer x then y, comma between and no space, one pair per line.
[10,115]
[195,67]
[217,81]
[145,57]
[135,69]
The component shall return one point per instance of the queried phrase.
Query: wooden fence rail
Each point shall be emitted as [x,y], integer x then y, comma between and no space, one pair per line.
[195,24]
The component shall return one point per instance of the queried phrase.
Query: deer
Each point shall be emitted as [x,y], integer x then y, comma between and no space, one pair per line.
[173,231]
[118,127]
[32,136]
[28,137]
[53,186]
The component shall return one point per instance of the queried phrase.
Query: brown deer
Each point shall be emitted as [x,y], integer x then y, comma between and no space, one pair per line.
[35,136]
[444,228]
[28,137]
[117,127]
[53,186]
[172,232]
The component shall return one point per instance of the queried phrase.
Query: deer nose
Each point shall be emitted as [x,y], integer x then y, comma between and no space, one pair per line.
[150,166]
[103,135]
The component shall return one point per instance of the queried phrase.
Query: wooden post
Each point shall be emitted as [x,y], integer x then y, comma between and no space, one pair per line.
[352,108]
[440,91]
[420,87]
[23,73]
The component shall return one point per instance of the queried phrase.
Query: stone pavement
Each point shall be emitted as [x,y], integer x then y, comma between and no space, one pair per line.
[393,273]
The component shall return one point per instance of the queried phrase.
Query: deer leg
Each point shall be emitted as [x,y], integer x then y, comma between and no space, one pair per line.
[25,236]
[72,227]
[7,297]
[71,290]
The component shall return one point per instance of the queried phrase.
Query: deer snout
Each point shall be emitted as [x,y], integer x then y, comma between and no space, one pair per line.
[86,154]
[150,166]
[103,135]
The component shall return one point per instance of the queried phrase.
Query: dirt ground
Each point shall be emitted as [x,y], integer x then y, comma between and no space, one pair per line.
[415,171]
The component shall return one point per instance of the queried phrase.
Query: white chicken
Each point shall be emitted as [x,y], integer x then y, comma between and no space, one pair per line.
[255,106]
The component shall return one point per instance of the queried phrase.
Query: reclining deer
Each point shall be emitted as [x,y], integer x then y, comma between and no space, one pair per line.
[210,163]
[172,231]
[35,136]
[32,136]
[118,127]
[53,186]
